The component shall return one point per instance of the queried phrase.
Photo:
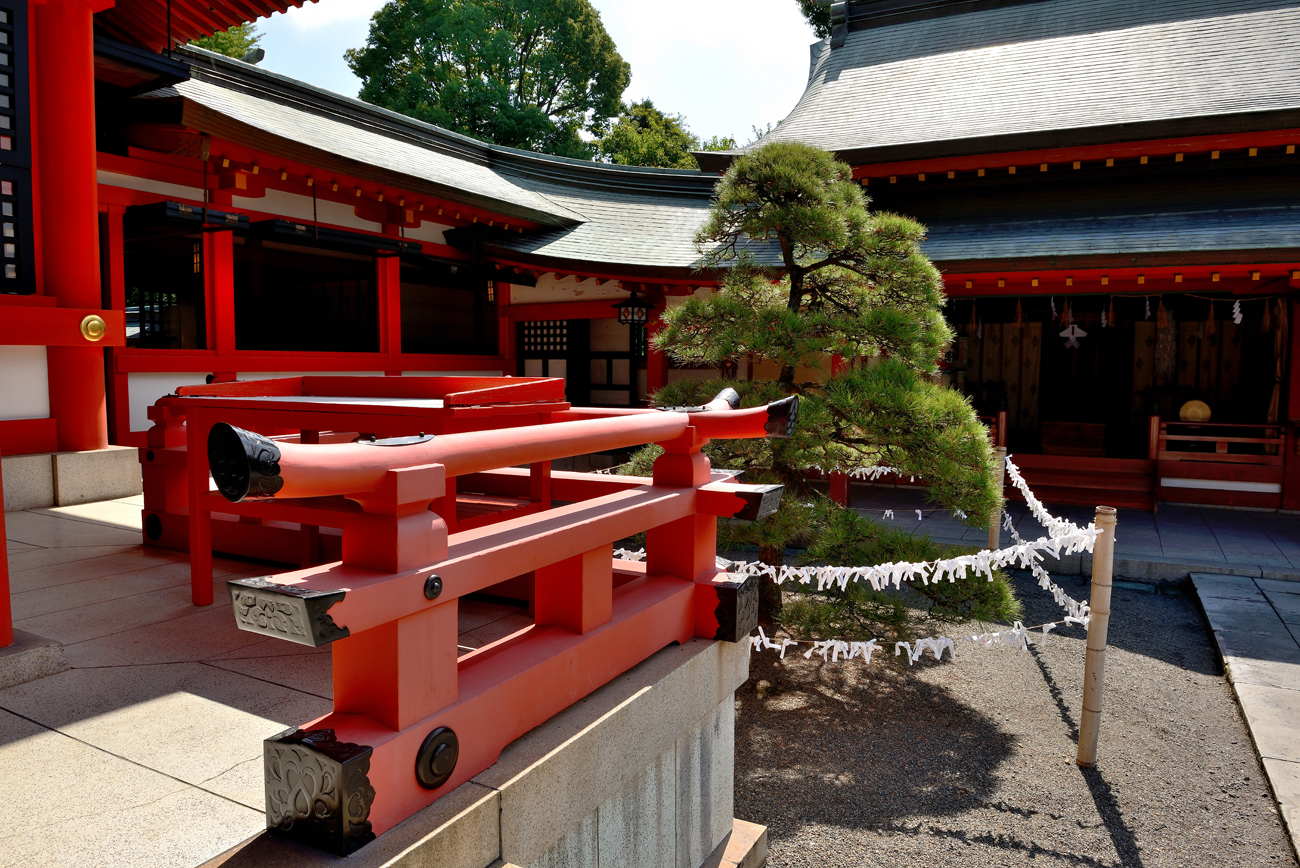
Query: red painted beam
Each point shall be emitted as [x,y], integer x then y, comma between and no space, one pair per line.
[60,327]
[560,310]
[1032,160]
[28,436]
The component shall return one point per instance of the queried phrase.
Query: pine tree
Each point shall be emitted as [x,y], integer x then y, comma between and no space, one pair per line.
[839,306]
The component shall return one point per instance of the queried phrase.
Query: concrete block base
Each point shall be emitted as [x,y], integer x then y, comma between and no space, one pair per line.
[29,658]
[638,774]
[68,478]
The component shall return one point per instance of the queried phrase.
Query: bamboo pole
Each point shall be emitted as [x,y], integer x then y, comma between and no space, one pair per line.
[995,523]
[1094,667]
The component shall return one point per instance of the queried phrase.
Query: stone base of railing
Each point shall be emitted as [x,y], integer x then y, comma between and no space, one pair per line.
[639,773]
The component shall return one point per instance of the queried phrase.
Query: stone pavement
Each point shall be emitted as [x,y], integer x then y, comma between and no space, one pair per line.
[1167,546]
[147,751]
[1256,624]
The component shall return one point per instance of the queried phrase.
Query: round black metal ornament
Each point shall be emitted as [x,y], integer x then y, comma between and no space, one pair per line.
[432,587]
[437,758]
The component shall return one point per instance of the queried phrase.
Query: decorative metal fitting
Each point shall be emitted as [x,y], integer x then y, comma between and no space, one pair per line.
[318,790]
[285,611]
[737,611]
[782,416]
[437,758]
[432,587]
[760,500]
[93,327]
[243,463]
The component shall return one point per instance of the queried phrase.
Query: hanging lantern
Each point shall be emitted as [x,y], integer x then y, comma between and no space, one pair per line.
[633,311]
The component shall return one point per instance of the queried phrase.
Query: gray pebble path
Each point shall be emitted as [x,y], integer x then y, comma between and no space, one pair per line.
[972,763]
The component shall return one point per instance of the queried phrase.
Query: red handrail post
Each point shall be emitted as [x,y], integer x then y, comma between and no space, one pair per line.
[576,593]
[397,531]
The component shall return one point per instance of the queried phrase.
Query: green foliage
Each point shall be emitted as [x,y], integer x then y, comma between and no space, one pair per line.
[814,277]
[836,281]
[818,17]
[718,143]
[235,42]
[522,73]
[645,136]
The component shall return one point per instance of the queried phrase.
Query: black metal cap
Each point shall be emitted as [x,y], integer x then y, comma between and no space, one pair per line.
[244,464]
[731,396]
[782,416]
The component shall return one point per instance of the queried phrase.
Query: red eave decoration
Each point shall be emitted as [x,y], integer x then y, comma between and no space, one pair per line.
[144,22]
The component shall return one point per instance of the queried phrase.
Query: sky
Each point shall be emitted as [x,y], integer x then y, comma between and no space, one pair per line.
[727,65]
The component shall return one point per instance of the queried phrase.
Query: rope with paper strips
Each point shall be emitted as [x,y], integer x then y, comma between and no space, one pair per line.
[1063,537]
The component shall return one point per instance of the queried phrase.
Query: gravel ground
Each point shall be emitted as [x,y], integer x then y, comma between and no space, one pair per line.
[972,763]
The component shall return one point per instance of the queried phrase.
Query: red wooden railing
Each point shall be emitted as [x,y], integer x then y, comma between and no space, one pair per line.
[1218,464]
[412,717]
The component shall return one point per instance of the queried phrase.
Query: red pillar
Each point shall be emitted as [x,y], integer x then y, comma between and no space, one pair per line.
[388,282]
[64,97]
[219,292]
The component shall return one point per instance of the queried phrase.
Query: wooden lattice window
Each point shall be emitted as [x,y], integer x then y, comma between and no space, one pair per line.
[546,336]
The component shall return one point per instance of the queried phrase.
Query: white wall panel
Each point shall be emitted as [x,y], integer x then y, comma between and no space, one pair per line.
[24,383]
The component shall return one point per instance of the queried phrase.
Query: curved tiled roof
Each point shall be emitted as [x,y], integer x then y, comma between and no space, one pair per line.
[1050,73]
[591,212]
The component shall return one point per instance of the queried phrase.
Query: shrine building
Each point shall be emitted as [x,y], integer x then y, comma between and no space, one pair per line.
[1110,191]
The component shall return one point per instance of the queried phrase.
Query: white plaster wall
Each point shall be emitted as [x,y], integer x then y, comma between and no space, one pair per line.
[431,232]
[148,185]
[278,202]
[24,383]
[145,388]
[549,290]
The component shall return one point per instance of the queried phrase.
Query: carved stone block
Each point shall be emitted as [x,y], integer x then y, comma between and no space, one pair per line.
[317,789]
[285,612]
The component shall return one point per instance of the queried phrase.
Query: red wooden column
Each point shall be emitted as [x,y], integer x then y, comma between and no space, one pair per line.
[388,283]
[219,292]
[119,408]
[67,197]
[505,332]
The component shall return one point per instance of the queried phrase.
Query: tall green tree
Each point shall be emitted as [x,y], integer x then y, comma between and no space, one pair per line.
[839,304]
[528,74]
[645,136]
[818,16]
[235,42]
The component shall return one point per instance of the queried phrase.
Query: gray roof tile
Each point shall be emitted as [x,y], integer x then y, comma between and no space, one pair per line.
[1057,65]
